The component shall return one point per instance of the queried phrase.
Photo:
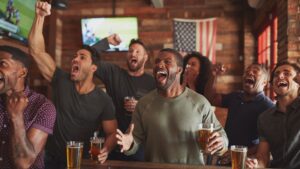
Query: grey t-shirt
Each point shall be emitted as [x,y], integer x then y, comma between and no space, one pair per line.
[168,127]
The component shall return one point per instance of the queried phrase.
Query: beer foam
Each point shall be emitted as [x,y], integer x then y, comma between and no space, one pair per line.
[240,150]
[206,129]
[75,146]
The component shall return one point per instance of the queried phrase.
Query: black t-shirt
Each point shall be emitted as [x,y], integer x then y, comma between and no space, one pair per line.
[78,115]
[119,84]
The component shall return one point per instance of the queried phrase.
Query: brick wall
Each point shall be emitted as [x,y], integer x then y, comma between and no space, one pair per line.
[234,34]
[235,38]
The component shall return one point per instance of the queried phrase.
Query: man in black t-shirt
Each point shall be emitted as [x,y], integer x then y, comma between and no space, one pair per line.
[81,107]
[119,83]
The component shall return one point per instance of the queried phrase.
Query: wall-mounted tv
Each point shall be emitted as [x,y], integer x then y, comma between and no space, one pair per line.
[94,29]
[16,17]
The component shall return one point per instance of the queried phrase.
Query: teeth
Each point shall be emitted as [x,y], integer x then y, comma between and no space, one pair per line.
[133,60]
[282,84]
[162,72]
[249,80]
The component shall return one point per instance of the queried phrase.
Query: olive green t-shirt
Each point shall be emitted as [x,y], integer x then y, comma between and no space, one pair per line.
[168,127]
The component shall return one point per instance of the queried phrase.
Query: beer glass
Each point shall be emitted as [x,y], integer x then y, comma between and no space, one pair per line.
[96,145]
[238,157]
[74,154]
[204,132]
[127,99]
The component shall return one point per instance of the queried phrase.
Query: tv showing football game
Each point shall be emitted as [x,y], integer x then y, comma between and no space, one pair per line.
[94,29]
[16,17]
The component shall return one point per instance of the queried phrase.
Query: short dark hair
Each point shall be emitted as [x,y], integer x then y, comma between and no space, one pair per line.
[94,54]
[294,65]
[204,72]
[17,54]
[177,55]
[137,41]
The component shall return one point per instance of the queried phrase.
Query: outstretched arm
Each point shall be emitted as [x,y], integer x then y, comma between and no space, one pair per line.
[103,44]
[44,61]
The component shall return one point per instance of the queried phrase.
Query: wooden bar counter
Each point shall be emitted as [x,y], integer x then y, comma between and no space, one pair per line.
[89,164]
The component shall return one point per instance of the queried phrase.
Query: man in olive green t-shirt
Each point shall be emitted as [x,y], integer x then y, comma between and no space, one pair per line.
[166,120]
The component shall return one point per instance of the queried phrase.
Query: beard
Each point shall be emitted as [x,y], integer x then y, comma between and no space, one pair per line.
[170,80]
[137,67]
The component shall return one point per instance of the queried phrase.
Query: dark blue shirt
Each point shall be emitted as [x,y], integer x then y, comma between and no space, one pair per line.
[241,124]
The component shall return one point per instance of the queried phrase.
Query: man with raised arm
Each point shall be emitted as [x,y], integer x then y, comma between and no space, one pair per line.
[166,120]
[26,117]
[243,106]
[81,106]
[120,83]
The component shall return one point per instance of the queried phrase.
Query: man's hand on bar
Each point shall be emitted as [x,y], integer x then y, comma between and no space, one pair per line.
[125,140]
[251,163]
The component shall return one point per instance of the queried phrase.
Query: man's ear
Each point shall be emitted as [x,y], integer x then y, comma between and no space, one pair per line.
[94,67]
[146,55]
[179,70]
[23,72]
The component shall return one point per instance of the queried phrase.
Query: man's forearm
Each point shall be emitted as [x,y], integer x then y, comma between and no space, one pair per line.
[110,141]
[36,38]
[21,148]
[102,45]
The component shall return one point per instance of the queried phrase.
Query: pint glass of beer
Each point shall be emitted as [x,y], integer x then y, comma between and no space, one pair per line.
[74,154]
[238,156]
[204,132]
[96,145]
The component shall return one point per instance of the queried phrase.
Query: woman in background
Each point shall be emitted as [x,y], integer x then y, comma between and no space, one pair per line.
[197,71]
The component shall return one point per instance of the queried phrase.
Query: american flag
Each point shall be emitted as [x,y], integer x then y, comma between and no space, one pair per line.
[196,35]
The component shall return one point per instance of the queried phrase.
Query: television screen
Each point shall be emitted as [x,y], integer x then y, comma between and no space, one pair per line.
[94,29]
[16,17]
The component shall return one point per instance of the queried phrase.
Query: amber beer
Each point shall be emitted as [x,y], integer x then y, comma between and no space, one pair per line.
[74,154]
[204,132]
[238,157]
[96,146]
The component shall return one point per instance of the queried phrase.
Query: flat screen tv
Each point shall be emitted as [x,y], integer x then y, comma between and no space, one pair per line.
[94,29]
[16,17]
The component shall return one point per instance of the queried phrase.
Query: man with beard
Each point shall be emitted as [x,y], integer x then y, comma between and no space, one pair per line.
[26,117]
[120,83]
[166,120]
[279,127]
[81,106]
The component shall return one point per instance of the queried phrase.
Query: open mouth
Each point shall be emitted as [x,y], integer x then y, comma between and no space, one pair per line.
[282,84]
[75,69]
[133,61]
[250,81]
[161,75]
